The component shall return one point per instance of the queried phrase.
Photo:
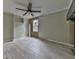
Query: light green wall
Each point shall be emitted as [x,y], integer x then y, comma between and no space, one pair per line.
[54,27]
[7,27]
[20,28]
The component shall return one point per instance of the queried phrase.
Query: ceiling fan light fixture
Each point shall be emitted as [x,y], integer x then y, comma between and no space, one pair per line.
[29,9]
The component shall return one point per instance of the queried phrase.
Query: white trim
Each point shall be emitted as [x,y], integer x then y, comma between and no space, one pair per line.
[62,43]
[59,10]
[29,30]
[70,4]
[52,12]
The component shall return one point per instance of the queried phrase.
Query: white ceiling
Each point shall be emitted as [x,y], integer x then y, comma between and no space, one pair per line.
[47,6]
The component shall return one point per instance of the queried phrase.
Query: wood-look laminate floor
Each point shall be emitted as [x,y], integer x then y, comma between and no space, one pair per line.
[31,48]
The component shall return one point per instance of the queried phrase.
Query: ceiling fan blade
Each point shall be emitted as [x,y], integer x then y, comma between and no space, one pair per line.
[21,9]
[35,10]
[24,14]
[32,14]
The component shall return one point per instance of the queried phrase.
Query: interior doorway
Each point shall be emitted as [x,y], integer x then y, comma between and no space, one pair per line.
[34,27]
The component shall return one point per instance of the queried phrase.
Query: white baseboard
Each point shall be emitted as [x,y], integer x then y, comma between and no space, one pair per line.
[62,43]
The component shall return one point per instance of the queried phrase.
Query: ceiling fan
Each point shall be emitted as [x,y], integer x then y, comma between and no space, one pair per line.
[29,9]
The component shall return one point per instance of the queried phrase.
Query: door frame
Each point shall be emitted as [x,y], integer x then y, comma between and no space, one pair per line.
[31,33]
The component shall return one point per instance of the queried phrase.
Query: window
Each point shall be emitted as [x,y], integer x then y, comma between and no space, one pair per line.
[35,25]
